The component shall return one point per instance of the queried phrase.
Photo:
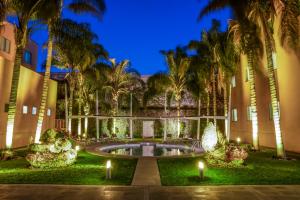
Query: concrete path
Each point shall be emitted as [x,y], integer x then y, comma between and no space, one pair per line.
[67,192]
[146,172]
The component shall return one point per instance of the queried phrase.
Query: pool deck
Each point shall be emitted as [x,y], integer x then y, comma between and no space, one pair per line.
[79,192]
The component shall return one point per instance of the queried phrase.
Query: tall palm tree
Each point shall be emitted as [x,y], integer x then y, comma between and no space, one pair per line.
[74,49]
[174,82]
[245,35]
[53,14]
[118,82]
[24,12]
[263,13]
[199,74]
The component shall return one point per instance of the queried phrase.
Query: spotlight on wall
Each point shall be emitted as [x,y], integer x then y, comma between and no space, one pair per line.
[201,169]
[108,169]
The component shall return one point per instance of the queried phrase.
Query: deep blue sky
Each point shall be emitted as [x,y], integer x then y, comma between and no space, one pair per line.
[138,29]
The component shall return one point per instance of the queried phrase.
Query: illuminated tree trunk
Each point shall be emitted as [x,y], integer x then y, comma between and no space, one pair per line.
[80,81]
[165,120]
[70,109]
[45,89]
[274,102]
[226,111]
[229,115]
[178,120]
[66,106]
[207,107]
[130,121]
[115,112]
[199,114]
[12,105]
[253,101]
[97,113]
[214,98]
[86,121]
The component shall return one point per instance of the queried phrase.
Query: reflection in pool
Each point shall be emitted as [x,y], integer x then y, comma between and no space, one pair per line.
[147,150]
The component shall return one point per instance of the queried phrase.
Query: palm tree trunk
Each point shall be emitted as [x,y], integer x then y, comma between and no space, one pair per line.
[274,101]
[45,89]
[214,99]
[79,114]
[226,111]
[130,121]
[178,120]
[66,106]
[115,111]
[165,120]
[97,113]
[70,109]
[229,115]
[199,113]
[86,121]
[253,101]
[80,81]
[207,108]
[12,105]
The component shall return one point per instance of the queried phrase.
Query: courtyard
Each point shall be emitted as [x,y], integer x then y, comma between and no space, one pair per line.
[152,99]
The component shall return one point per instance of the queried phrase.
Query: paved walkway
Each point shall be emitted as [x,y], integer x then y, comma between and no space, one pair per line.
[146,172]
[61,192]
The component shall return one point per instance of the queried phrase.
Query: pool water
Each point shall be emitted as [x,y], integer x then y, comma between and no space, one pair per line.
[148,150]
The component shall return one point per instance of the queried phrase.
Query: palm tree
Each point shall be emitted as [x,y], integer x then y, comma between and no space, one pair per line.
[74,49]
[263,13]
[245,35]
[199,74]
[24,11]
[118,82]
[50,18]
[173,83]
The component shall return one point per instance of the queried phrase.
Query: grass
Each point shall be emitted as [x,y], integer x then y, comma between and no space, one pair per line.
[89,169]
[261,169]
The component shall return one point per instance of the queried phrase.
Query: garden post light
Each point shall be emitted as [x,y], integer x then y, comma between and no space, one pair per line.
[77,147]
[108,169]
[201,169]
[238,140]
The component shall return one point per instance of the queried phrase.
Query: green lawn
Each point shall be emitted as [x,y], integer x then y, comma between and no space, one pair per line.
[89,169]
[260,169]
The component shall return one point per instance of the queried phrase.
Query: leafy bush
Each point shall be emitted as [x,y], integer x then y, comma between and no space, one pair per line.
[229,155]
[54,151]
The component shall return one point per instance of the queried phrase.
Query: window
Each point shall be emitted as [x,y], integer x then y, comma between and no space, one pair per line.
[247,74]
[4,44]
[274,59]
[271,110]
[27,57]
[49,112]
[249,113]
[34,110]
[25,109]
[233,83]
[234,115]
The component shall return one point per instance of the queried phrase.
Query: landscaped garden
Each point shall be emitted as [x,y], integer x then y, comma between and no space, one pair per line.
[260,169]
[89,169]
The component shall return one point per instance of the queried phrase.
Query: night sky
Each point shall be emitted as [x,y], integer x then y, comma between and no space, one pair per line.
[138,29]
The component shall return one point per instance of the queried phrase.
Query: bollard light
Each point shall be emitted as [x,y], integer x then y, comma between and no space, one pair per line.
[238,140]
[201,169]
[108,169]
[77,147]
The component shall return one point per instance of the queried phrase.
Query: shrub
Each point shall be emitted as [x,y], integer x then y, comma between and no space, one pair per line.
[54,151]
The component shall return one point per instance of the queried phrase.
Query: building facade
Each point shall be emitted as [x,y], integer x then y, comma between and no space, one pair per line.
[287,71]
[29,90]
